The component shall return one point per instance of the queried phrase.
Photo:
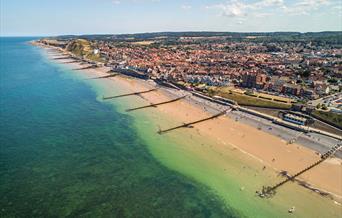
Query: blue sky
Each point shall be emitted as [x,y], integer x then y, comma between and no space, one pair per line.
[56,17]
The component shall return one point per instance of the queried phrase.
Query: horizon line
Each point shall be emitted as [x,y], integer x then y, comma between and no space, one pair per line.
[149,32]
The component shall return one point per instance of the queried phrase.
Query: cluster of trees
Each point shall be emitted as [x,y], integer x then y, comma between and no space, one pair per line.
[318,38]
[322,107]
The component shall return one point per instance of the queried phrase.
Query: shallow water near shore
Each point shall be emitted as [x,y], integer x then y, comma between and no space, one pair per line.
[66,152]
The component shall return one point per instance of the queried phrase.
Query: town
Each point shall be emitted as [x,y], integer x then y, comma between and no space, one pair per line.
[252,69]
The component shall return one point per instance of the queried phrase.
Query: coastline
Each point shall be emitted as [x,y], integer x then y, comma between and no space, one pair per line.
[229,138]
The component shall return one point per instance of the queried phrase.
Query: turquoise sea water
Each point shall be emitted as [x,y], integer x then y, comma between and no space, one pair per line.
[65,154]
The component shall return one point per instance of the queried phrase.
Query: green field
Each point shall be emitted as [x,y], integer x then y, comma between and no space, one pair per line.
[329,117]
[246,100]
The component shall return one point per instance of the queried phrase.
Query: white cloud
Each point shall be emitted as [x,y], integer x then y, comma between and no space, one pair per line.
[267,3]
[231,9]
[186,7]
[305,7]
[262,8]
[237,8]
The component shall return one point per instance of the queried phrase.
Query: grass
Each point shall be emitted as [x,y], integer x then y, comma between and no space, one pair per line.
[329,117]
[246,100]
[82,48]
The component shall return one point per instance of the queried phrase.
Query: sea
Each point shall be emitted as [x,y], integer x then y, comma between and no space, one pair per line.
[64,153]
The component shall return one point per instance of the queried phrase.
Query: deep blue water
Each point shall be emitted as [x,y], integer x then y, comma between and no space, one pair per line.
[65,154]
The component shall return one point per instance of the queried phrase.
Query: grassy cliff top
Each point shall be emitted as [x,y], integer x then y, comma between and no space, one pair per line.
[83,48]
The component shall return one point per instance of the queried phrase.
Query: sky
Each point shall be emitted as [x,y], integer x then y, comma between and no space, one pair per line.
[62,17]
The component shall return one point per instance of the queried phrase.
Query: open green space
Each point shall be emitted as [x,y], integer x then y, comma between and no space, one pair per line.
[83,48]
[329,117]
[246,100]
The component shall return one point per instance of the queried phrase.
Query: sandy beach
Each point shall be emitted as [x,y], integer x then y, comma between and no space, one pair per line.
[272,151]
[229,136]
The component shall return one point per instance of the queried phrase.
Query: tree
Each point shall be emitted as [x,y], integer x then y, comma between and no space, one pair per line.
[333,81]
[305,73]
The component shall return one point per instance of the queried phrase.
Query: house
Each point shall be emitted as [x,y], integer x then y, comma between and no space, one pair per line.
[291,89]
[254,80]
[308,93]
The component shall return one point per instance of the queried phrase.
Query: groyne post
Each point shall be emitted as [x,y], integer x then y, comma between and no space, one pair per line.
[269,191]
[128,94]
[186,125]
[155,105]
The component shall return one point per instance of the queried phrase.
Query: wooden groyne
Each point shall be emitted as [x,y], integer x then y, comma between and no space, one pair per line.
[70,62]
[129,94]
[155,105]
[62,58]
[105,77]
[269,191]
[306,185]
[189,125]
[85,68]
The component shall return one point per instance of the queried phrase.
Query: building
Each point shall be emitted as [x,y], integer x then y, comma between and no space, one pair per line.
[277,82]
[308,93]
[253,80]
[291,89]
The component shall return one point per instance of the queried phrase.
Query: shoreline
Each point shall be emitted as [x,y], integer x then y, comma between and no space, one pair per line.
[299,156]
[312,140]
